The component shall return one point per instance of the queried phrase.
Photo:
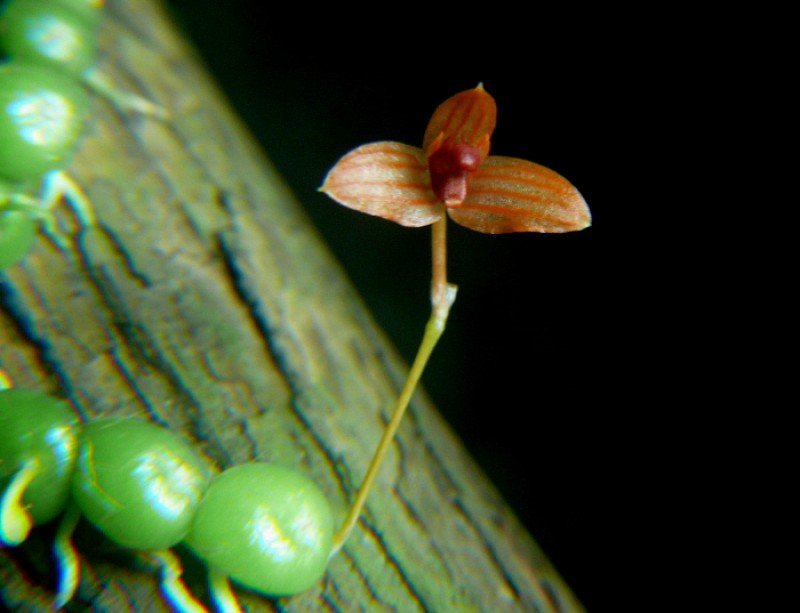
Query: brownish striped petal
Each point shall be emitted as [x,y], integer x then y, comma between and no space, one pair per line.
[512,195]
[386,179]
[468,118]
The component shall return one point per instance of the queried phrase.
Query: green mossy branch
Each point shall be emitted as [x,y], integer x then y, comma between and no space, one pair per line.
[205,301]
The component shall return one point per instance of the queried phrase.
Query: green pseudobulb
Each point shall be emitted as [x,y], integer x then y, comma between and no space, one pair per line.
[36,426]
[41,117]
[17,233]
[138,483]
[267,527]
[51,33]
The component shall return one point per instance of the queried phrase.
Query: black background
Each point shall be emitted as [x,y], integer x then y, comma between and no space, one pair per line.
[550,345]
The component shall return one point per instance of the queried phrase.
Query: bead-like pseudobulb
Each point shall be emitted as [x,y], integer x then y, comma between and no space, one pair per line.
[38,444]
[55,34]
[41,117]
[267,527]
[138,483]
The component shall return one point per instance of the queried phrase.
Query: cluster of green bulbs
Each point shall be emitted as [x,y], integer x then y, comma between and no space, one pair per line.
[267,527]
[49,48]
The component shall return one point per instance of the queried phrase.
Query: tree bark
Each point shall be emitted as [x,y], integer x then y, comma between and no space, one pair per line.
[204,300]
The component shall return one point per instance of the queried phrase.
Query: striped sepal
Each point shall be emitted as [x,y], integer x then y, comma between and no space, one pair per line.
[512,195]
[386,179]
[467,118]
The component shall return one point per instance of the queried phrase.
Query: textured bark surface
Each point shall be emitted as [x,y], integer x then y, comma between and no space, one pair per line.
[204,301]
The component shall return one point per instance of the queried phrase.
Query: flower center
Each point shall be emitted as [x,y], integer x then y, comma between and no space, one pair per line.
[450,168]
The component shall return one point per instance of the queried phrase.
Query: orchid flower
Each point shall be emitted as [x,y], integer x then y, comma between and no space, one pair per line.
[453,173]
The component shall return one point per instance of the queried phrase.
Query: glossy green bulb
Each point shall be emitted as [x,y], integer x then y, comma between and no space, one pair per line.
[43,31]
[17,233]
[138,483]
[35,426]
[41,117]
[268,527]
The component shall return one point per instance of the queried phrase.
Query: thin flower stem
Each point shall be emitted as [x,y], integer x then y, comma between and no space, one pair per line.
[443,295]
[439,262]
